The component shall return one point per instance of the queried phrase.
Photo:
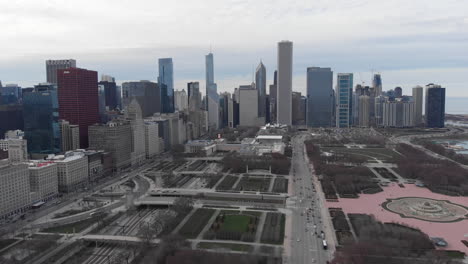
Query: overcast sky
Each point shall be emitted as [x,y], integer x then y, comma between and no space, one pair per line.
[410,42]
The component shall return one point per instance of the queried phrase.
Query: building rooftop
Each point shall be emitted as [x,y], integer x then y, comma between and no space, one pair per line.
[38,164]
[277,137]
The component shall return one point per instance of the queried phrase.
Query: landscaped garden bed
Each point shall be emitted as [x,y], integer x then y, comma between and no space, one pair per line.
[273,229]
[227,183]
[196,223]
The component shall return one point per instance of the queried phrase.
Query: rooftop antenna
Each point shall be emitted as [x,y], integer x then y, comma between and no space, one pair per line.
[210,48]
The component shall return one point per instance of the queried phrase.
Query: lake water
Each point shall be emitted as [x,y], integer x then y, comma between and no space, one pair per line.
[456,105]
[460,143]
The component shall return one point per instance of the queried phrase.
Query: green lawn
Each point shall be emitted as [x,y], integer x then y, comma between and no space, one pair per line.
[234,247]
[383,154]
[237,223]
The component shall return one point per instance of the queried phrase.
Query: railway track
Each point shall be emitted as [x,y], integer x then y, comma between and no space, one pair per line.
[106,251]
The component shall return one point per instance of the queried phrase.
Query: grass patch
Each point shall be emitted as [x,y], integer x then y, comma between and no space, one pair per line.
[455,254]
[236,223]
[233,247]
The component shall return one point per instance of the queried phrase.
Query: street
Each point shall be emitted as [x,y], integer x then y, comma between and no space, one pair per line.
[307,220]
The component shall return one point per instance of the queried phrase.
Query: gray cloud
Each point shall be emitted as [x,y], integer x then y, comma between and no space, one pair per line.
[402,39]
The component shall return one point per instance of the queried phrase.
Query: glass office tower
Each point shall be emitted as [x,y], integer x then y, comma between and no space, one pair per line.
[41,127]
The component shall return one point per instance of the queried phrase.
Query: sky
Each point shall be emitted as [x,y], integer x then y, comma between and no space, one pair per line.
[409,42]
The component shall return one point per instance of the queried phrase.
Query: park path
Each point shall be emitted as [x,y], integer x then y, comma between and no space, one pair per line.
[182,223]
[237,182]
[221,180]
[381,178]
[272,183]
[258,235]
[208,224]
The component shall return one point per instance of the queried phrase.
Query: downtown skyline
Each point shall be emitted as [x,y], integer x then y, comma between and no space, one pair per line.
[415,51]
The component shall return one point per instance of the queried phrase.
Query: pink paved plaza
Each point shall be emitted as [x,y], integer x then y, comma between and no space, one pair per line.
[453,233]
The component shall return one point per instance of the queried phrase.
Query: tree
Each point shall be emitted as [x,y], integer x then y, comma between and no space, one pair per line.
[147,232]
[169,246]
[183,205]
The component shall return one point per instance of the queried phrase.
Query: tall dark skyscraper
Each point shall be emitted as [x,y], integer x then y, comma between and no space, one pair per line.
[319,97]
[53,65]
[212,97]
[110,90]
[146,93]
[435,106]
[194,96]
[10,94]
[398,92]
[344,100]
[260,85]
[377,84]
[78,99]
[166,84]
[273,95]
[11,118]
[41,119]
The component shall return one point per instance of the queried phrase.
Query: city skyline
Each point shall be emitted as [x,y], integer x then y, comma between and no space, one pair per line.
[399,51]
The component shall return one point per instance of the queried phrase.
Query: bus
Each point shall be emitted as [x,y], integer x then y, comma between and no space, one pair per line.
[324,243]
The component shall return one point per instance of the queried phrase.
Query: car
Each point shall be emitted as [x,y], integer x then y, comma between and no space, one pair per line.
[298,240]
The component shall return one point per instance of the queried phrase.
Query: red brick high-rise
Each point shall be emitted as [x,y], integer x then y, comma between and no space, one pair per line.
[78,99]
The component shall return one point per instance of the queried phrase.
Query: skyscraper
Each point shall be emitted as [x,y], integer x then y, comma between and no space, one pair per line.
[418,104]
[110,91]
[102,103]
[398,92]
[364,110]
[70,136]
[53,65]
[166,84]
[319,97]
[212,97]
[11,94]
[343,94]
[181,100]
[298,110]
[41,124]
[260,84]
[435,105]
[78,99]
[284,98]
[377,84]
[147,94]
[194,96]
[248,107]
[11,118]
[273,96]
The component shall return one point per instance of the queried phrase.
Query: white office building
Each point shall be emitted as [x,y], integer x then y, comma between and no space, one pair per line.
[72,170]
[284,90]
[248,107]
[43,180]
[14,189]
[152,140]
